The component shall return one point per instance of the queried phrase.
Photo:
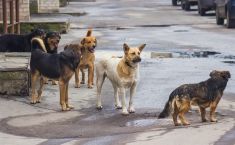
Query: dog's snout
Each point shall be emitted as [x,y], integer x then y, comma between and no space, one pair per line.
[137,59]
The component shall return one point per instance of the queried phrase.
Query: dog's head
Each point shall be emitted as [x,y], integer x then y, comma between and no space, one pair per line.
[72,52]
[132,55]
[89,42]
[52,40]
[220,74]
[38,33]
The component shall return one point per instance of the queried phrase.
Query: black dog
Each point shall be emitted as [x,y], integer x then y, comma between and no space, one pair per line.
[204,94]
[58,66]
[19,43]
[52,41]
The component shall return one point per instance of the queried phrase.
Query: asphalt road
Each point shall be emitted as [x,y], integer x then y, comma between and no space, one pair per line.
[198,46]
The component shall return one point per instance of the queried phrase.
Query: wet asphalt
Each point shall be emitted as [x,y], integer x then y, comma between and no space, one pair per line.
[196,43]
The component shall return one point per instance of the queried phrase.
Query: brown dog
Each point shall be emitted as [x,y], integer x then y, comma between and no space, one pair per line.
[88,45]
[204,94]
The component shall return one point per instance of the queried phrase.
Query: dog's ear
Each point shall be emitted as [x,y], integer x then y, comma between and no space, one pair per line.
[141,47]
[89,32]
[213,73]
[83,41]
[126,48]
[66,46]
[227,74]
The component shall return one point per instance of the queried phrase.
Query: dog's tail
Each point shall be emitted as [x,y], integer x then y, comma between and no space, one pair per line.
[89,32]
[38,43]
[168,106]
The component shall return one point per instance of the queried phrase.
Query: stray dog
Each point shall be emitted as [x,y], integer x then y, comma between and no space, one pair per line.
[51,42]
[59,67]
[123,73]
[204,94]
[87,60]
[19,43]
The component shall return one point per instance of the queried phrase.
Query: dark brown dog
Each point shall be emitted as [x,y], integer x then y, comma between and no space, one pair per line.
[59,66]
[51,42]
[87,60]
[204,94]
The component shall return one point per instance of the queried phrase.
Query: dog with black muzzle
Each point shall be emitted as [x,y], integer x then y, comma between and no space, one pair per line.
[51,42]
[123,73]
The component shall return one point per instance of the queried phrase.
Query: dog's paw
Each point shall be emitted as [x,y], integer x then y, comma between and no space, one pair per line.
[125,112]
[204,120]
[64,107]
[213,120]
[77,85]
[131,109]
[118,106]
[33,101]
[90,86]
[177,124]
[53,83]
[186,124]
[99,107]
[38,101]
[70,106]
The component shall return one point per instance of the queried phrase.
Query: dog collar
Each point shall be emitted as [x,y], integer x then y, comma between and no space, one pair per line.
[128,64]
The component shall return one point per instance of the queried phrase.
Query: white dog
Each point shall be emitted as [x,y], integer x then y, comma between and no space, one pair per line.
[123,74]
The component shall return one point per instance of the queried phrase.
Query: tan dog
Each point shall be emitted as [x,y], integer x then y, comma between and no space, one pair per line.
[87,60]
[123,73]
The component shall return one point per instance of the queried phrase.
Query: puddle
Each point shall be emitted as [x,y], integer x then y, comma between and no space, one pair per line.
[198,54]
[229,62]
[185,54]
[141,123]
[181,31]
[151,26]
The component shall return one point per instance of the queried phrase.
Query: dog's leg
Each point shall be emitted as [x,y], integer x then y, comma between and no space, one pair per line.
[131,108]
[45,80]
[175,113]
[40,89]
[34,78]
[116,97]
[69,107]
[124,109]
[183,108]
[90,71]
[92,74]
[99,83]
[212,109]
[77,81]
[53,82]
[203,114]
[62,86]
[83,76]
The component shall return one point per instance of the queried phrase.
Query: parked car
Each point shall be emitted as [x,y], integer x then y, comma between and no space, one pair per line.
[175,2]
[225,9]
[205,5]
[186,4]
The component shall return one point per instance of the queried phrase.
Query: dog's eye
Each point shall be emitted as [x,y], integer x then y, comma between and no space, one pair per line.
[133,53]
[138,53]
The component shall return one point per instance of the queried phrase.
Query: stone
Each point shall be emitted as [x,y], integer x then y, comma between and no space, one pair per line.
[14,74]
